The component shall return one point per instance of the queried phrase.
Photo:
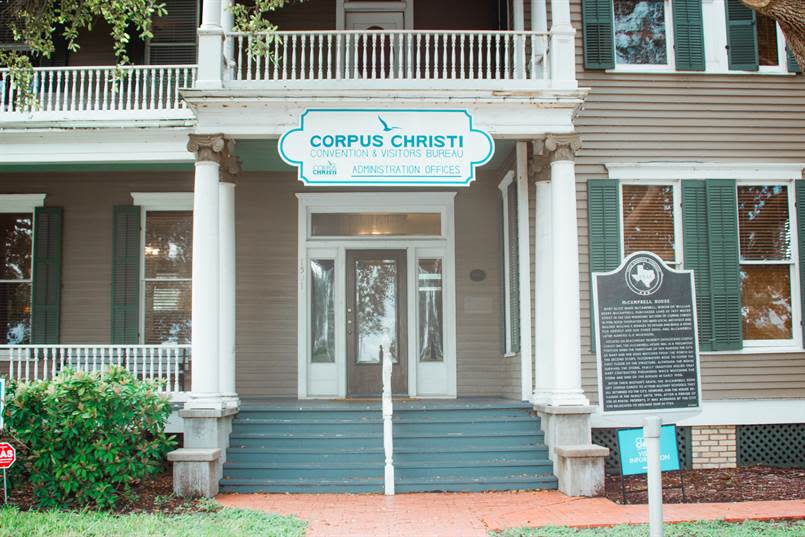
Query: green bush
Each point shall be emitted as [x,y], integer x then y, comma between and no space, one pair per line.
[87,439]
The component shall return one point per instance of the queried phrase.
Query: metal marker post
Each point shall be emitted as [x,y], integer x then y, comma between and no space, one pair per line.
[651,432]
[5,488]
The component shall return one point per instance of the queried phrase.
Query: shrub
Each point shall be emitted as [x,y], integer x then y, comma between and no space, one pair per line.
[88,438]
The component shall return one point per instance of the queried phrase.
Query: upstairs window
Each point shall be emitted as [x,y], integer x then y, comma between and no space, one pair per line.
[641,32]
[174,41]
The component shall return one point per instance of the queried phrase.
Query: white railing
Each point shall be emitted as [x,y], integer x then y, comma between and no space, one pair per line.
[97,89]
[388,433]
[389,55]
[169,364]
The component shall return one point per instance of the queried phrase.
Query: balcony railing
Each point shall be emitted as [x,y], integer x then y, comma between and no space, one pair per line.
[84,91]
[366,58]
[167,364]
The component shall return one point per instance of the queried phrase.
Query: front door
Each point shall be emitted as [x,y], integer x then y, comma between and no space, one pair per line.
[376,320]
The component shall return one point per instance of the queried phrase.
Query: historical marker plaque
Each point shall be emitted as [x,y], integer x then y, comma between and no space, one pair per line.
[647,346]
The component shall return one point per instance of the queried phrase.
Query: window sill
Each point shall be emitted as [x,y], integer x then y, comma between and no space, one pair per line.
[757,350]
[617,71]
[511,354]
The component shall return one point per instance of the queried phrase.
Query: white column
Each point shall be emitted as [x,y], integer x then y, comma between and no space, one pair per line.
[543,295]
[524,268]
[228,25]
[518,16]
[210,47]
[227,300]
[562,49]
[566,304]
[206,280]
[539,23]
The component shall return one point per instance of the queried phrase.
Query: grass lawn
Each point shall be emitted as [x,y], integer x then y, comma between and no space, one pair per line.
[222,523]
[696,529]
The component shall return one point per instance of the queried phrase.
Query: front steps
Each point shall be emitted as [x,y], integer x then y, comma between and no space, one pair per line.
[338,447]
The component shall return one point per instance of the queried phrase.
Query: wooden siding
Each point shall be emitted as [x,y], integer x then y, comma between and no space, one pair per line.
[266,271]
[698,117]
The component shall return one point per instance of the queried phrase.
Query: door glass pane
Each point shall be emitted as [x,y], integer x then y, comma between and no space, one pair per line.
[376,309]
[765,229]
[640,32]
[429,282]
[167,312]
[15,313]
[766,301]
[648,220]
[322,310]
[375,224]
[15,246]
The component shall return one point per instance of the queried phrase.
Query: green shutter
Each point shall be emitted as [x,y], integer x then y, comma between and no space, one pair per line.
[126,275]
[697,256]
[741,37]
[725,278]
[604,219]
[800,193]
[710,229]
[599,44]
[689,35]
[46,298]
[793,66]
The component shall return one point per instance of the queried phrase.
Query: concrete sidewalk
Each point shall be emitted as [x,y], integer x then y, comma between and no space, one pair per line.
[474,514]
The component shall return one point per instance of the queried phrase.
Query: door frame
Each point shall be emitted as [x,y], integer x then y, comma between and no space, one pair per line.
[406,7]
[425,379]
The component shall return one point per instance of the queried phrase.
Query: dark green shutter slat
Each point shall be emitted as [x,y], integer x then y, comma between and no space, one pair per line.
[793,66]
[514,269]
[599,44]
[697,257]
[46,297]
[603,215]
[741,37]
[689,35]
[800,197]
[126,275]
[725,278]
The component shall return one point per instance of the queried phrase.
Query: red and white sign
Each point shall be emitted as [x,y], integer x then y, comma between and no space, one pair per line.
[7,455]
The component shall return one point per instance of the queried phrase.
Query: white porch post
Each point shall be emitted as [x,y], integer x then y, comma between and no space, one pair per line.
[210,46]
[228,25]
[524,269]
[543,294]
[562,49]
[206,392]
[539,23]
[226,227]
[518,16]
[566,344]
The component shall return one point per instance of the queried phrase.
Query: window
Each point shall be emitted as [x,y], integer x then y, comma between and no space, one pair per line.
[767,264]
[641,32]
[375,224]
[174,40]
[768,53]
[430,342]
[167,252]
[322,310]
[16,254]
[510,265]
[649,222]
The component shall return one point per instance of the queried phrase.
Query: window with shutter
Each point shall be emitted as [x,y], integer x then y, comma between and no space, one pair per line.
[599,48]
[45,311]
[649,220]
[767,263]
[741,37]
[641,31]
[603,215]
[16,254]
[126,275]
[174,40]
[688,35]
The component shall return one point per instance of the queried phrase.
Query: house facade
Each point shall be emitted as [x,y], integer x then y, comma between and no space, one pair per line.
[153,221]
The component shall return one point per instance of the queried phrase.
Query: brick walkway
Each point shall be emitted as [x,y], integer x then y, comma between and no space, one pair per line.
[471,515]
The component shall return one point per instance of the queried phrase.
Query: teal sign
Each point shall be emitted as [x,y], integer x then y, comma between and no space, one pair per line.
[632,447]
[386,147]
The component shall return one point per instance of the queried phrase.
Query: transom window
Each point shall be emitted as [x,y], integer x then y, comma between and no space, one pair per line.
[375,224]
[767,262]
[16,254]
[167,283]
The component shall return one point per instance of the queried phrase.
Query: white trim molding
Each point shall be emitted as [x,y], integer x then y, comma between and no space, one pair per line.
[667,171]
[21,203]
[729,412]
[163,201]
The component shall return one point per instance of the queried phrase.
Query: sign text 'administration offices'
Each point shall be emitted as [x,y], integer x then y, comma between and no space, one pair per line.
[381,147]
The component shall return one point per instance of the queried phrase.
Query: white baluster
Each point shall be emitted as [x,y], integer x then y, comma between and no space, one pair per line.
[160,356]
[506,57]
[338,55]
[388,433]
[418,65]
[329,70]
[11,349]
[36,364]
[49,102]
[382,53]
[365,38]
[151,361]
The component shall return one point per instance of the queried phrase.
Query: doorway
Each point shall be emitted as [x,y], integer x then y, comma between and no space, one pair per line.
[376,298]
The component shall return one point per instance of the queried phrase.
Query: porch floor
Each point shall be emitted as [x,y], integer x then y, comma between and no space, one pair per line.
[401,403]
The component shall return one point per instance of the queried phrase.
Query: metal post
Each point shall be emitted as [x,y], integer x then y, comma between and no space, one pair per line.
[5,487]
[651,434]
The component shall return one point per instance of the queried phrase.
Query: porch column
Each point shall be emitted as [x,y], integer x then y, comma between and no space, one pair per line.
[518,16]
[562,49]
[524,269]
[543,288]
[226,341]
[565,305]
[206,392]
[210,46]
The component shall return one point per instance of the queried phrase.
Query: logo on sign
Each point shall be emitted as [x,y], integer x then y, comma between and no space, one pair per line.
[377,147]
[643,276]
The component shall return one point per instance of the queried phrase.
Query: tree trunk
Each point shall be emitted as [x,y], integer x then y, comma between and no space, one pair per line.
[790,15]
